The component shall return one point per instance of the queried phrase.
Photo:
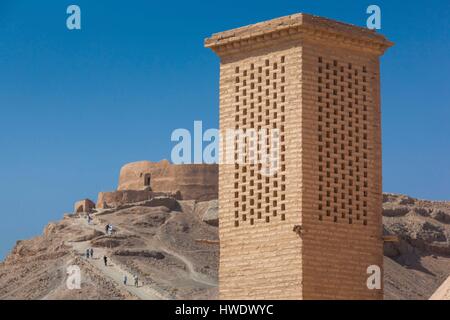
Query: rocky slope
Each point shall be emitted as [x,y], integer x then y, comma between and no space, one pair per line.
[172,246]
[419,262]
[155,240]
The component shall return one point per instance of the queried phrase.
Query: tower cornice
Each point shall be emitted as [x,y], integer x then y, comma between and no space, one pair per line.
[294,28]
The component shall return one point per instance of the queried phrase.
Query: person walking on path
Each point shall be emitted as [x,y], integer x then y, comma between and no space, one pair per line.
[91,253]
[107,228]
[110,229]
[105,260]
[125,279]
[136,281]
[87,253]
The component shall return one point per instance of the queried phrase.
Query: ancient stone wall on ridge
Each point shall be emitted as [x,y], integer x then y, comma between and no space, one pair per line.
[85,205]
[192,181]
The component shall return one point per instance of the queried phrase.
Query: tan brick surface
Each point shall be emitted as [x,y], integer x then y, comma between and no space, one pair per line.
[317,81]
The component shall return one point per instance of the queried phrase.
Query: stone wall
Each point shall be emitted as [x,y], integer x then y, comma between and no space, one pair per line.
[85,205]
[193,181]
[117,198]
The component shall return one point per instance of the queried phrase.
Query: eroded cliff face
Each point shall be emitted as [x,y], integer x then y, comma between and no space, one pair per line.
[421,225]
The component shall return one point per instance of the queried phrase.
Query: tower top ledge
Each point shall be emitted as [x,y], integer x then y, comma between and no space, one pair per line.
[295,27]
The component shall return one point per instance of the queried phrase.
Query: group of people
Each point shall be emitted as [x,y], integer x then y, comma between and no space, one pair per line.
[108,229]
[136,280]
[89,253]
[125,277]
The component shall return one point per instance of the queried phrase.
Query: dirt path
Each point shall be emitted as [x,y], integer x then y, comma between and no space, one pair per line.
[196,276]
[159,244]
[113,270]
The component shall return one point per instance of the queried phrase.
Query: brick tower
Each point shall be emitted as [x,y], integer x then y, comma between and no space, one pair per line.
[311,230]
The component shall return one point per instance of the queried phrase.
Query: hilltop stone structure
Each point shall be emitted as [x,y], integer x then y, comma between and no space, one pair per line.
[193,181]
[144,180]
[117,198]
[85,205]
[311,230]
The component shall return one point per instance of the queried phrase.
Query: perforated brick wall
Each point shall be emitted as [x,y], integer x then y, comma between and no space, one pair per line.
[259,104]
[342,169]
[317,81]
[343,125]
[259,253]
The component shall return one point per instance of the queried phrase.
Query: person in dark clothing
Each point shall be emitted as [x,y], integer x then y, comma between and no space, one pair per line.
[105,260]
[87,253]
[106,228]
[91,253]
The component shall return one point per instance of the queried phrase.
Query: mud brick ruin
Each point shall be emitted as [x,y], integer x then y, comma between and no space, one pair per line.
[145,180]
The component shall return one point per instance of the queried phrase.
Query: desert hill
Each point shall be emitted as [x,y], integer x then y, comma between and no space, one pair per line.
[154,240]
[420,262]
[172,246]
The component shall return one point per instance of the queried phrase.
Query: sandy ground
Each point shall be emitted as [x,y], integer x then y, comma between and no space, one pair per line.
[443,293]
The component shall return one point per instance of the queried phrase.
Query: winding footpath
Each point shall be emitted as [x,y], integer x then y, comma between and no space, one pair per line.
[195,276]
[113,270]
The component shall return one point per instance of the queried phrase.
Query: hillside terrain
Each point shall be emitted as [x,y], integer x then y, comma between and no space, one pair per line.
[419,262]
[172,246]
[155,240]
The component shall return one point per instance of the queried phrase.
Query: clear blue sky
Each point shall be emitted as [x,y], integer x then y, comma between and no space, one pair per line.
[77,105]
